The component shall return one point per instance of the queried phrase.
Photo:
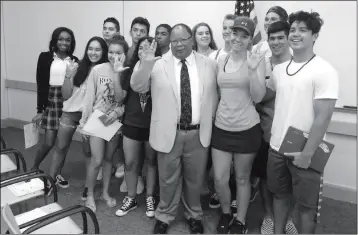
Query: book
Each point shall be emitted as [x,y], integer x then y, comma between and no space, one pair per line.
[295,141]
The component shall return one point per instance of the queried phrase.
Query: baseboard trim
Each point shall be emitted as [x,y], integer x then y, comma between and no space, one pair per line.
[340,193]
[332,191]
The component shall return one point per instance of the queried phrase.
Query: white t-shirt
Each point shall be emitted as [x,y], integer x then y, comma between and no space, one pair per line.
[58,70]
[214,53]
[295,95]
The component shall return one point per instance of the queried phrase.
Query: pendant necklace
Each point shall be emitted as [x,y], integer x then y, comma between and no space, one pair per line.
[300,68]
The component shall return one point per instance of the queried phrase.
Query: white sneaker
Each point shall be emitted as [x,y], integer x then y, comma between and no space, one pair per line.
[120,171]
[290,227]
[150,203]
[267,226]
[100,175]
[123,187]
[140,185]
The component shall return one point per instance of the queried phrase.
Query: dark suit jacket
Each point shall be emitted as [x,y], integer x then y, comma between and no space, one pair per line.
[43,78]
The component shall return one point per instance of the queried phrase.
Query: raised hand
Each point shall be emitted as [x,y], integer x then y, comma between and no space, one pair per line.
[254,58]
[118,63]
[71,68]
[148,54]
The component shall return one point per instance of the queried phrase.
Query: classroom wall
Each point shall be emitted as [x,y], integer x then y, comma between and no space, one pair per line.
[26,28]
[341,55]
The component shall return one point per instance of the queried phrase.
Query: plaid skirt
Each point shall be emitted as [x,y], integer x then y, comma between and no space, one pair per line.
[51,116]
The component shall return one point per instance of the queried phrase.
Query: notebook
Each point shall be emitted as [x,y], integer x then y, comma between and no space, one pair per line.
[295,141]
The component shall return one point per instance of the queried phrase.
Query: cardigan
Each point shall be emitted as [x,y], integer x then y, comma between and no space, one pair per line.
[43,78]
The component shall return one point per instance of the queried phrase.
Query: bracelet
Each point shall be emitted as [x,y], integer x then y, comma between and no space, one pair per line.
[67,77]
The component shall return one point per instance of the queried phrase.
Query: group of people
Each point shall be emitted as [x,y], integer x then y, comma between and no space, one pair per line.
[194,111]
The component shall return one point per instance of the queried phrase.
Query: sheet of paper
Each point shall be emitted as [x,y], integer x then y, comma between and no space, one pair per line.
[23,188]
[31,135]
[95,127]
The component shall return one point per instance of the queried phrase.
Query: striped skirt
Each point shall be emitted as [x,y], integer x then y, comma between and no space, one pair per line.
[51,116]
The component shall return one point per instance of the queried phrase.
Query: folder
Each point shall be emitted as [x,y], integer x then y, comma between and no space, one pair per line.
[295,140]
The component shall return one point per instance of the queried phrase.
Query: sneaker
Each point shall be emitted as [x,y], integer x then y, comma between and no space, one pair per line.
[267,226]
[150,203]
[84,194]
[290,227]
[214,201]
[237,227]
[100,175]
[60,181]
[224,223]
[233,208]
[128,205]
[123,187]
[140,185]
[254,188]
[120,171]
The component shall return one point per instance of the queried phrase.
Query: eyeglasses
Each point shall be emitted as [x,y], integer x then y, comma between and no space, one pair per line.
[182,41]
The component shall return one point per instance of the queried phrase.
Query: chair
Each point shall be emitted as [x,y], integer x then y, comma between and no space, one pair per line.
[7,165]
[8,197]
[52,220]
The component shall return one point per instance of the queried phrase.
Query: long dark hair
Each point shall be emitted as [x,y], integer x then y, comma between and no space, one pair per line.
[212,43]
[135,58]
[85,64]
[55,35]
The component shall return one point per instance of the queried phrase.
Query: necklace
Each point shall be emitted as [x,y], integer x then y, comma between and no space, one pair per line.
[300,68]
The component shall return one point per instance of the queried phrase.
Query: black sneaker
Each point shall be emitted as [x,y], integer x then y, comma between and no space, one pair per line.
[214,201]
[233,208]
[150,204]
[254,188]
[160,227]
[128,205]
[224,223]
[84,194]
[60,181]
[237,228]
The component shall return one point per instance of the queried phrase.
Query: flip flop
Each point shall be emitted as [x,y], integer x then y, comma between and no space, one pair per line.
[111,202]
[91,206]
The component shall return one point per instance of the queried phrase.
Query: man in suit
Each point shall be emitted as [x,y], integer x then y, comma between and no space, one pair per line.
[184,100]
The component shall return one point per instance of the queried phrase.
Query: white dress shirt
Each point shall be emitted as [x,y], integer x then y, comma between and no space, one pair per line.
[194,85]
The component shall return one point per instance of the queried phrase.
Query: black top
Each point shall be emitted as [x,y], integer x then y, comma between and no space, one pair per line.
[43,78]
[138,107]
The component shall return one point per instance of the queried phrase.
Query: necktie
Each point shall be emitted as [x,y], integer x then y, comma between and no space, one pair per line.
[185,95]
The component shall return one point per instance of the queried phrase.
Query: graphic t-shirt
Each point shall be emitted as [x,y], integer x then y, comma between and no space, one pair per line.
[138,106]
[100,93]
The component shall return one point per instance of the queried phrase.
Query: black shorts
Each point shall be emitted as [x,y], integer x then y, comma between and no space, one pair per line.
[247,141]
[285,178]
[259,167]
[135,133]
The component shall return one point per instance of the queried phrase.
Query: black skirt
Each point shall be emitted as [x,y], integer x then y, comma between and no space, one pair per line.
[247,141]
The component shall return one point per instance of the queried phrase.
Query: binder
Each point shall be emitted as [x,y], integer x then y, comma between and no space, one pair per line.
[295,140]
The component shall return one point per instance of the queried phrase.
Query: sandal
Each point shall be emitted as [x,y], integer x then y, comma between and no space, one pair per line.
[91,206]
[111,202]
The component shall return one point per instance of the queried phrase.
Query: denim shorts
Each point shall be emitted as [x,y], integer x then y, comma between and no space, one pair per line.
[70,119]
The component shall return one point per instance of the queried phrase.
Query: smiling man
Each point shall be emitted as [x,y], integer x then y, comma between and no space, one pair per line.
[306,92]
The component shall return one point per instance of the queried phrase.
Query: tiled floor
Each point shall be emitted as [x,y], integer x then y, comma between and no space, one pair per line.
[336,216]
